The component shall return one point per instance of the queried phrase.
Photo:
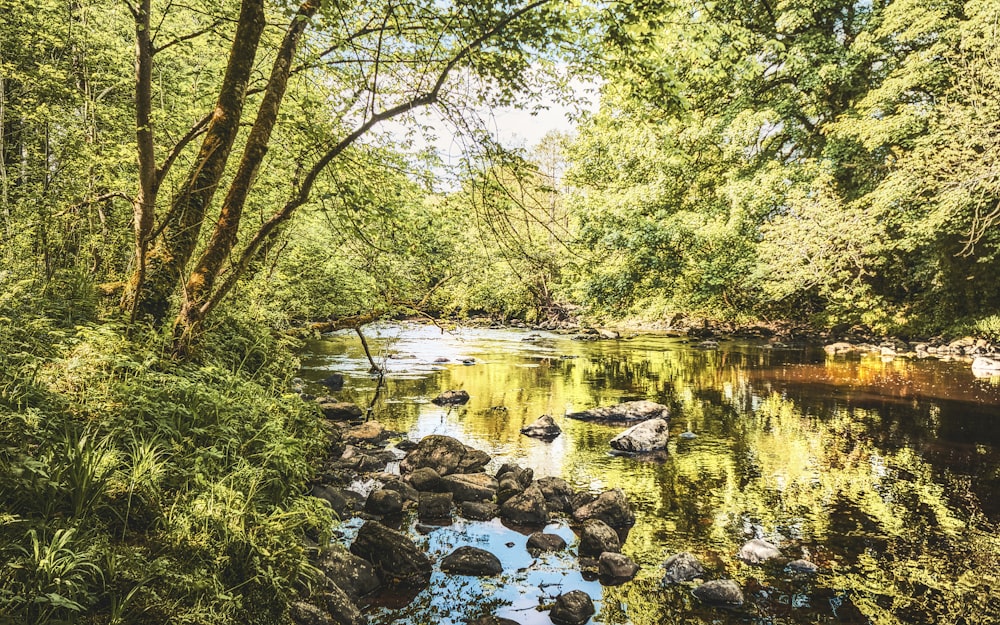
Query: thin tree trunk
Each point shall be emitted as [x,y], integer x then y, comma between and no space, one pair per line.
[167,261]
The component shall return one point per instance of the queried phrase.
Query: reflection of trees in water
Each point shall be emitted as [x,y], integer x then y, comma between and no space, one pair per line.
[892,494]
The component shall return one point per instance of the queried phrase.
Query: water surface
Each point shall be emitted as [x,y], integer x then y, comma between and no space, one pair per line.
[884,472]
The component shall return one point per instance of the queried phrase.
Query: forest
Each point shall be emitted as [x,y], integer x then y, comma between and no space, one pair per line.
[186,187]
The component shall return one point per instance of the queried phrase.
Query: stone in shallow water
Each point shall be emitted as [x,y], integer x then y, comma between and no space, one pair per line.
[397,560]
[722,592]
[596,537]
[384,502]
[758,551]
[478,510]
[354,575]
[527,508]
[630,411]
[682,567]
[471,487]
[444,454]
[616,568]
[434,507]
[611,506]
[471,561]
[651,435]
[540,541]
[544,428]
[572,608]
[451,398]
[338,410]
[801,566]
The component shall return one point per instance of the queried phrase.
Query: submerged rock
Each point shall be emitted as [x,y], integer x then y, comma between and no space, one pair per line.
[445,455]
[723,592]
[631,411]
[338,410]
[758,551]
[451,398]
[544,428]
[572,608]
[801,566]
[540,542]
[615,568]
[682,567]
[643,437]
[611,507]
[396,559]
[471,561]
[596,537]
[527,508]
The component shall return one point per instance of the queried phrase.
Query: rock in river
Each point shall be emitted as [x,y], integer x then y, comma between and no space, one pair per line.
[338,410]
[540,542]
[615,568]
[611,507]
[384,502]
[802,566]
[629,412]
[471,561]
[397,560]
[643,437]
[544,428]
[354,575]
[527,508]
[573,608]
[682,567]
[445,455]
[470,487]
[724,592]
[758,551]
[434,507]
[451,398]
[596,537]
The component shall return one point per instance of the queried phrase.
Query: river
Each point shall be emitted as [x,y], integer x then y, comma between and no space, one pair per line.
[885,472]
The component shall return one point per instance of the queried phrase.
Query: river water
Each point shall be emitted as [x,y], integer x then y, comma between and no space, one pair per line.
[883,472]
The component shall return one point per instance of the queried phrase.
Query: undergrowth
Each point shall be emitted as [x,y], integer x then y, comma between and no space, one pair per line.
[136,489]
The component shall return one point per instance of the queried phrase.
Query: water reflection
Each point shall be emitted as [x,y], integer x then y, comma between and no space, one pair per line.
[884,473]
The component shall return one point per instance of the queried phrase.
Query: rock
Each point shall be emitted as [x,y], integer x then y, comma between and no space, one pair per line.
[572,608]
[558,494]
[451,398]
[445,455]
[354,575]
[471,561]
[688,436]
[986,365]
[579,499]
[682,567]
[527,508]
[303,613]
[540,541]
[384,502]
[340,607]
[611,507]
[758,551]
[396,559]
[334,382]
[490,619]
[478,510]
[615,567]
[631,411]
[470,487]
[344,502]
[610,335]
[643,437]
[338,410]
[708,344]
[434,507]
[442,359]
[405,490]
[544,428]
[724,592]
[426,479]
[842,347]
[369,432]
[508,488]
[801,566]
[596,537]
[521,475]
[406,445]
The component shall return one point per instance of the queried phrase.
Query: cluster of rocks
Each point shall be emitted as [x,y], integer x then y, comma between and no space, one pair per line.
[983,355]
[441,477]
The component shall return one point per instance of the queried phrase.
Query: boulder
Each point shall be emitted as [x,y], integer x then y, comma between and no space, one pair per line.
[722,592]
[628,412]
[596,537]
[451,398]
[334,382]
[338,410]
[471,561]
[478,510]
[445,455]
[540,542]
[572,608]
[558,494]
[758,551]
[544,428]
[369,432]
[616,567]
[396,559]
[643,437]
[470,487]
[433,507]
[340,607]
[405,490]
[508,487]
[354,575]
[384,502]
[519,474]
[426,479]
[527,508]
[611,507]
[682,567]
[842,347]
[344,502]
[802,566]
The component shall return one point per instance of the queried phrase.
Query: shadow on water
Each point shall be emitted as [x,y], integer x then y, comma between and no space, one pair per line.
[885,473]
